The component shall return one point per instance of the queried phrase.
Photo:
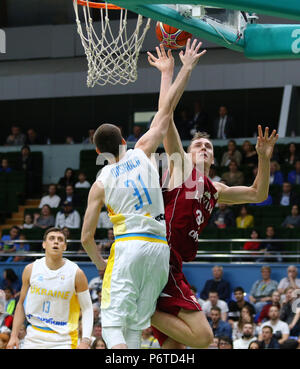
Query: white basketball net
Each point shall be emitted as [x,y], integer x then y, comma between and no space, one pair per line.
[111,58]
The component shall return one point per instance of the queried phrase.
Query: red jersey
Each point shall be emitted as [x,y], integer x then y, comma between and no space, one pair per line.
[187,211]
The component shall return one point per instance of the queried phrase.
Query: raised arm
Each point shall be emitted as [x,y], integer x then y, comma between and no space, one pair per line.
[259,190]
[95,204]
[160,124]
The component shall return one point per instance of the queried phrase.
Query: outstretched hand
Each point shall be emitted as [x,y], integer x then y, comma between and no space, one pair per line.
[190,57]
[164,61]
[265,143]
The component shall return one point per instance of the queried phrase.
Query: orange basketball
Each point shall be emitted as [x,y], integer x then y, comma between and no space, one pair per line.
[171,37]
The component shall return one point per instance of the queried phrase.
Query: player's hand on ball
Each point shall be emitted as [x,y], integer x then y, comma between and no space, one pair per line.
[164,62]
[190,57]
[265,143]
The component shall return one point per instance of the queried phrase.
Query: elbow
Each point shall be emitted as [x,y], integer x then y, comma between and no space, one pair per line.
[86,239]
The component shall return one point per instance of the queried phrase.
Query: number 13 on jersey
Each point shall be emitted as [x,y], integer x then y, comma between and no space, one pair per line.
[137,192]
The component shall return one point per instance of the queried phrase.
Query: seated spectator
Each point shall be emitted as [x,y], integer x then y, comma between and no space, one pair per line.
[197,295]
[104,220]
[69,140]
[99,344]
[249,155]
[235,307]
[252,245]
[269,247]
[10,301]
[16,138]
[245,317]
[254,345]
[7,244]
[82,182]
[214,301]
[246,339]
[294,175]
[148,341]
[6,320]
[291,156]
[67,217]
[262,289]
[225,343]
[275,300]
[276,176]
[95,284]
[51,199]
[71,246]
[67,179]
[107,242]
[45,219]
[89,139]
[290,281]
[97,314]
[223,217]
[281,330]
[97,331]
[33,138]
[293,220]
[26,164]
[267,339]
[10,279]
[287,197]
[213,174]
[244,220]
[219,326]
[136,134]
[288,313]
[28,222]
[21,247]
[232,154]
[217,283]
[70,196]
[233,177]
[5,168]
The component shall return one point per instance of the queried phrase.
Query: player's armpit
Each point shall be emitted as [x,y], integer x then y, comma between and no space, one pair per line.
[237,194]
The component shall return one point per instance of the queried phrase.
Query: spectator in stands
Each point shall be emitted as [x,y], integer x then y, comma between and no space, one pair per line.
[45,219]
[21,247]
[67,217]
[244,220]
[33,138]
[245,317]
[287,197]
[69,140]
[6,319]
[28,221]
[95,285]
[148,341]
[197,295]
[223,217]
[70,196]
[264,314]
[291,156]
[247,337]
[10,301]
[267,339]
[214,301]
[10,279]
[233,177]
[217,283]
[7,244]
[213,176]
[224,125]
[249,155]
[269,247]
[262,289]
[290,281]
[99,344]
[107,242]
[104,221]
[235,307]
[232,154]
[200,120]
[97,314]
[5,168]
[89,139]
[252,245]
[289,314]
[71,246]
[82,182]
[294,175]
[254,345]
[16,137]
[52,199]
[276,176]
[281,330]
[225,343]
[67,179]
[136,134]
[26,164]
[293,220]
[218,325]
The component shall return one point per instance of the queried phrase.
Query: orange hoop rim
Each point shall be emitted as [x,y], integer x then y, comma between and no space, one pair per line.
[92,4]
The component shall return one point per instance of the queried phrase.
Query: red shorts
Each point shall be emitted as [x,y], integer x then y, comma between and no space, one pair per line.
[179,296]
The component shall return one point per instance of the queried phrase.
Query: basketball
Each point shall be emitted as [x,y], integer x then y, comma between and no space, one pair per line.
[171,37]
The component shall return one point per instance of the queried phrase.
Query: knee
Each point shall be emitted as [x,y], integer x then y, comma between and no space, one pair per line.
[204,338]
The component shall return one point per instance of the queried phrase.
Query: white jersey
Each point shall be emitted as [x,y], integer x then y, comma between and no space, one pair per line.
[133,196]
[51,303]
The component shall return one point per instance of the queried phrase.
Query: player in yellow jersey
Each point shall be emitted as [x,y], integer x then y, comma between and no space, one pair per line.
[138,265]
[54,290]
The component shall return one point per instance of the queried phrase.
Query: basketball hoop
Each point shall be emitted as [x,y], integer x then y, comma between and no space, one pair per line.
[112,56]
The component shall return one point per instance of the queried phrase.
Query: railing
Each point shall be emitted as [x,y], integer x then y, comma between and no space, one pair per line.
[231,255]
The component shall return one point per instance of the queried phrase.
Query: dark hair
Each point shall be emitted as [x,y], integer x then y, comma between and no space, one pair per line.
[11,275]
[15,227]
[108,138]
[226,339]
[71,170]
[267,326]
[259,343]
[213,291]
[216,308]
[238,289]
[96,342]
[25,147]
[53,229]
[10,289]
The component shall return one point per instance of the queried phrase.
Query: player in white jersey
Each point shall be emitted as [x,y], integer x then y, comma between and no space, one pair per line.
[54,290]
[138,265]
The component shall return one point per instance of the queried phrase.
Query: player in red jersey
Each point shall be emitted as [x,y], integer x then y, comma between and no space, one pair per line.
[189,201]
